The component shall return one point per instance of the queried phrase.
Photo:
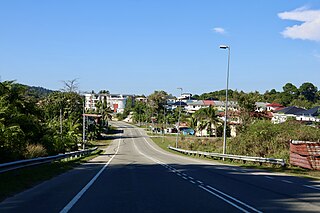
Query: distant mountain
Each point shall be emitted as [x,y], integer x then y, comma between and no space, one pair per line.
[38,92]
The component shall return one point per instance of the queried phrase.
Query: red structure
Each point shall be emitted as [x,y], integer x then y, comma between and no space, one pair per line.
[305,154]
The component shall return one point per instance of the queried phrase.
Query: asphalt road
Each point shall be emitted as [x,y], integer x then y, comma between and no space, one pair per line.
[134,175]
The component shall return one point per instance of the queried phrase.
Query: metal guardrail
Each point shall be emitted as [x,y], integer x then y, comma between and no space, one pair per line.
[234,157]
[35,161]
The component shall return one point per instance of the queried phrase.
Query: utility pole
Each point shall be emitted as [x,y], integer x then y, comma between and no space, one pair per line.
[83,125]
[60,122]
[178,132]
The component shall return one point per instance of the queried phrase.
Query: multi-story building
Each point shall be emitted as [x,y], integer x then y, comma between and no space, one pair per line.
[116,102]
[91,100]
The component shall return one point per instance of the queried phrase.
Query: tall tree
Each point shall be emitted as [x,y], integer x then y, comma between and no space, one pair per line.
[308,91]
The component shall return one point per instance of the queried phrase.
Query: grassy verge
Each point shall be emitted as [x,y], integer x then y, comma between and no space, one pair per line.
[170,140]
[15,181]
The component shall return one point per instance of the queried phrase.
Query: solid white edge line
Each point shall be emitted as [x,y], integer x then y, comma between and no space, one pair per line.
[79,195]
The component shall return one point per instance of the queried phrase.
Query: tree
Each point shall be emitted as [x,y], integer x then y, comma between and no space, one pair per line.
[308,91]
[70,85]
[290,89]
[157,100]
[69,106]
[247,103]
[209,116]
[104,110]
[19,121]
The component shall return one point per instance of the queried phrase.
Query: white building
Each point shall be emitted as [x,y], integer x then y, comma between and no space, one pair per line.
[90,101]
[116,102]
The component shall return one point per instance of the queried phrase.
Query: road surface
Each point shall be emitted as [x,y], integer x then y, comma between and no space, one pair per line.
[134,175]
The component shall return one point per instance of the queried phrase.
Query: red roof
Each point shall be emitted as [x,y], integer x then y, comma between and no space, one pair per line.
[208,102]
[274,105]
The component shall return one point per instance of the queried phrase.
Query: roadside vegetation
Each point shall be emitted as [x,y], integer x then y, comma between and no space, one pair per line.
[35,124]
[22,179]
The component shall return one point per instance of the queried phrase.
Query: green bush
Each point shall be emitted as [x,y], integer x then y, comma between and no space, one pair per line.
[264,139]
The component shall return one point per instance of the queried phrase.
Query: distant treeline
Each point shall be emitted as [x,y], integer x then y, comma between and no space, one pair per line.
[306,96]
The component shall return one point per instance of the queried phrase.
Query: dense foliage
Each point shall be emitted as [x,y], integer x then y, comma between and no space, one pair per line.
[32,128]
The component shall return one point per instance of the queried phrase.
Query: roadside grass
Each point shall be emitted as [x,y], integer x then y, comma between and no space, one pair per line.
[15,181]
[164,142]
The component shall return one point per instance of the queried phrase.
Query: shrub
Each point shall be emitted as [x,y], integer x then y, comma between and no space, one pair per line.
[264,139]
[34,151]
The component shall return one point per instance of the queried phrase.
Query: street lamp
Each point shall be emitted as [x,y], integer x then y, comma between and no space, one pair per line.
[84,124]
[226,111]
[179,117]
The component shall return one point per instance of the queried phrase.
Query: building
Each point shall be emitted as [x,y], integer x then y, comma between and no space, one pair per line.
[116,102]
[273,107]
[297,113]
[91,101]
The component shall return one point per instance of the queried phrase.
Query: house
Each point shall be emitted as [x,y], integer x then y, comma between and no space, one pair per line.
[282,115]
[141,99]
[177,104]
[194,106]
[274,106]
[261,106]
[309,115]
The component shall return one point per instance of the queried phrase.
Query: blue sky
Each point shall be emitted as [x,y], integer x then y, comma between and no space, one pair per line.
[138,46]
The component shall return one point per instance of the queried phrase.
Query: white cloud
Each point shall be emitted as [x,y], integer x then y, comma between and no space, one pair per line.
[309,29]
[219,30]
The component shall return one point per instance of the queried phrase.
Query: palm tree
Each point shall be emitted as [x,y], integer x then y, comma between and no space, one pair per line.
[211,118]
[104,110]
[193,123]
[208,118]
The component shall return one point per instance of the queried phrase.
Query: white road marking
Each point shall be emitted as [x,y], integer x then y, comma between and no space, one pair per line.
[79,195]
[269,177]
[208,190]
[234,199]
[286,181]
[191,181]
[312,187]
[222,198]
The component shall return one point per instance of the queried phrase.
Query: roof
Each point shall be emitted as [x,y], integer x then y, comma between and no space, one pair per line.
[208,102]
[261,104]
[92,115]
[292,110]
[179,103]
[196,103]
[312,112]
[274,105]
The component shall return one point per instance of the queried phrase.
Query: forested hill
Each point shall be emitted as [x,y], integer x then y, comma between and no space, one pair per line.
[38,92]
